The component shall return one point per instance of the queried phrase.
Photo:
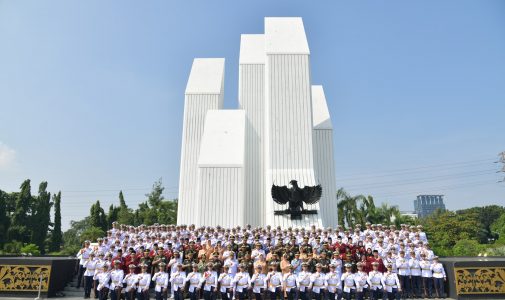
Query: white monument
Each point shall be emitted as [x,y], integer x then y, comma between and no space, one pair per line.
[282,131]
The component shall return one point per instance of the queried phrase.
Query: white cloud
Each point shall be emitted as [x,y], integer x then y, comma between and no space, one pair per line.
[7,156]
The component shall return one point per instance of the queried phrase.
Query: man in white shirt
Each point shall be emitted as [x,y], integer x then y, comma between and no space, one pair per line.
[438,277]
[289,284]
[83,256]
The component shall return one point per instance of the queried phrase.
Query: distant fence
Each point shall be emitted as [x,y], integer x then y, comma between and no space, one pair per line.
[22,275]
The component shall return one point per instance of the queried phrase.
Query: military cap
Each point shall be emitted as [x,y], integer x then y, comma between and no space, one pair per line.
[318,265]
[333,266]
[117,261]
[375,263]
[132,266]
[348,265]
[162,264]
[359,264]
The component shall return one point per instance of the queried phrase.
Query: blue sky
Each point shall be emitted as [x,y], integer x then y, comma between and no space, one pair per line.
[91,92]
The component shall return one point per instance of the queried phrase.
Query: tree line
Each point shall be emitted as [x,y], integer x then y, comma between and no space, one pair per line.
[466,232]
[26,225]
[25,221]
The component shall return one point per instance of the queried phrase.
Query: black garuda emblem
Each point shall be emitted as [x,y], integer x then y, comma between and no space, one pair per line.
[295,197]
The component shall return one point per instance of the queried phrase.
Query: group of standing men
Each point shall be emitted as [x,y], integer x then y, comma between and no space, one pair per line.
[262,263]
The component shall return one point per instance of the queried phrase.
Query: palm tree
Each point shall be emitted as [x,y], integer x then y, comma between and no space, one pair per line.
[348,212]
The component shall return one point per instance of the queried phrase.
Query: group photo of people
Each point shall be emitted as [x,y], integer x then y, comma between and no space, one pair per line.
[179,262]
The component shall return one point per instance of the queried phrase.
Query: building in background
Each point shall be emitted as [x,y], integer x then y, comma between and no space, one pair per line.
[425,205]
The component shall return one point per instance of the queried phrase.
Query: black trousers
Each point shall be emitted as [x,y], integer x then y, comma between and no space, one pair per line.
[335,296]
[226,295]
[318,296]
[292,294]
[115,294]
[88,285]
[348,295]
[376,294]
[427,286]
[193,295]
[259,296]
[178,295]
[393,294]
[405,285]
[241,295]
[415,285]
[160,295]
[143,295]
[361,295]
[102,294]
[278,292]
[439,286]
[80,273]
[304,295]
[209,295]
[95,284]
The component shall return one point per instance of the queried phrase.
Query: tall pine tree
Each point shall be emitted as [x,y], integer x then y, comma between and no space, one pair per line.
[125,214]
[19,230]
[97,216]
[56,236]
[4,218]
[41,217]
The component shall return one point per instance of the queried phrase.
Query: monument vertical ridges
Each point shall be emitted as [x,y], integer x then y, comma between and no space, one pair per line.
[324,164]
[251,99]
[282,132]
[288,119]
[221,170]
[204,91]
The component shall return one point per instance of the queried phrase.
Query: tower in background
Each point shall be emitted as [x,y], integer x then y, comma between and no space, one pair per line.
[425,205]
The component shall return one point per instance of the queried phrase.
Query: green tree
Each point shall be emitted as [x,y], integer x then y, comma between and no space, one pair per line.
[486,216]
[155,197]
[41,218]
[112,216]
[4,218]
[125,214]
[30,249]
[97,216]
[467,248]
[19,229]
[92,233]
[445,228]
[56,235]
[498,228]
[347,207]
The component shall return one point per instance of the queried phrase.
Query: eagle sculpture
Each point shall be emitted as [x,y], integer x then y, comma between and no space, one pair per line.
[295,197]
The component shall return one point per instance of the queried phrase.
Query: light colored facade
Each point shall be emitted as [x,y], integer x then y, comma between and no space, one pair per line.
[204,91]
[286,134]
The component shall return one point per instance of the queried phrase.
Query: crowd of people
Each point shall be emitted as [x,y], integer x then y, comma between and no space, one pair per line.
[375,262]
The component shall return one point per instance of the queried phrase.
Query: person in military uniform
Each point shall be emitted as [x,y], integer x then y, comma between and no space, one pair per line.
[158,258]
[241,253]
[311,262]
[324,261]
[188,262]
[145,260]
[292,249]
[305,247]
[248,263]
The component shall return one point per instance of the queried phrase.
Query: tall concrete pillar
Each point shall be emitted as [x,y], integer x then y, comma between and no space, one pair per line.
[252,101]
[288,115]
[204,91]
